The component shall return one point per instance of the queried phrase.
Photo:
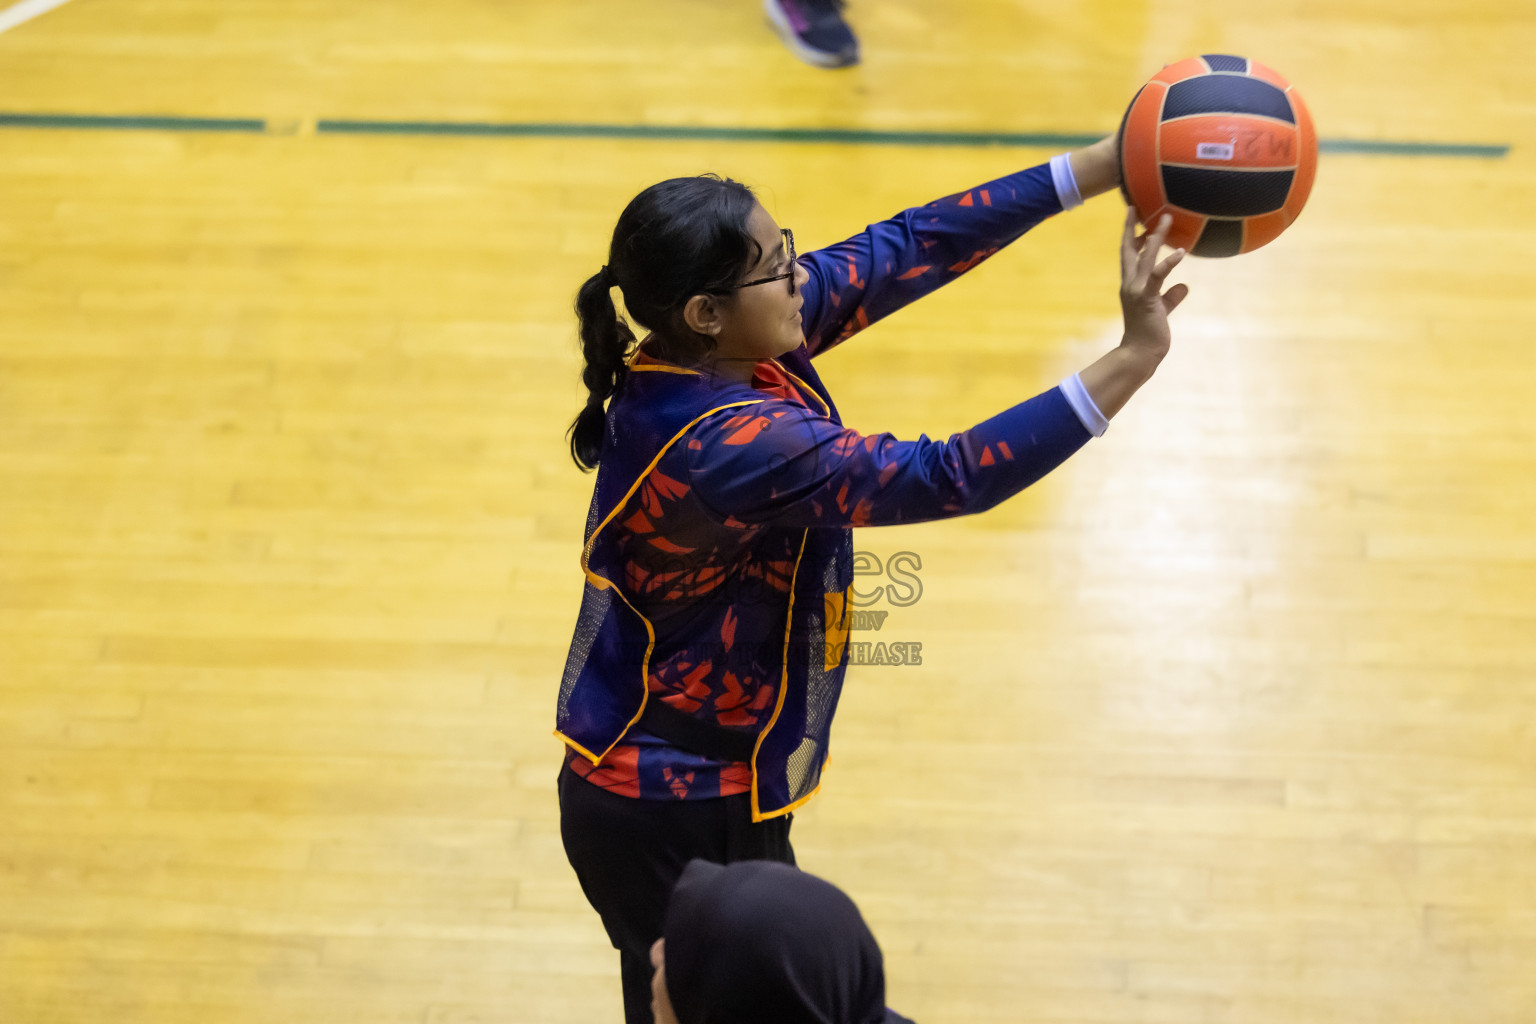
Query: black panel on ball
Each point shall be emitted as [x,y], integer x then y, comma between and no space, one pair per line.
[1225,193]
[1226,62]
[1226,94]
[1220,238]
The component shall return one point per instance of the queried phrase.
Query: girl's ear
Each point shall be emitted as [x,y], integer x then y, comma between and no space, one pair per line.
[702,314]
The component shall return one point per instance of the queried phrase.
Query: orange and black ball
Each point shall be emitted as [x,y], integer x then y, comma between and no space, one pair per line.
[1223,144]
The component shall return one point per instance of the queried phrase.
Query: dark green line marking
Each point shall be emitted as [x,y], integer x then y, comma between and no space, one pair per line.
[566,130]
[1371,148]
[849,136]
[133,123]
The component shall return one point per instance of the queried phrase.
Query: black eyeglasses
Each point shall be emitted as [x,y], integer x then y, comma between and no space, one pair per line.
[789,247]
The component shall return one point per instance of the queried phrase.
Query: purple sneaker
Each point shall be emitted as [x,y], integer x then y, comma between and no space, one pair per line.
[814,30]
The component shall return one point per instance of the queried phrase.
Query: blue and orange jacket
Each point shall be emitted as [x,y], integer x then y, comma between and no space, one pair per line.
[718,550]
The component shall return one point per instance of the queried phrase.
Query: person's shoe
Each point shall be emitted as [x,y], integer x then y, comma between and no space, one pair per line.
[814,30]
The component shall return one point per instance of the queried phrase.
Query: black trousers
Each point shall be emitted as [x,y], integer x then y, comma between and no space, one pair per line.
[628,854]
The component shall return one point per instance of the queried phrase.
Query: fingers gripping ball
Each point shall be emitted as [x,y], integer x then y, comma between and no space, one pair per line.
[1225,146]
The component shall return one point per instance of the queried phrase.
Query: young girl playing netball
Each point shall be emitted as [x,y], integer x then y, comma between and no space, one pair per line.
[710,649]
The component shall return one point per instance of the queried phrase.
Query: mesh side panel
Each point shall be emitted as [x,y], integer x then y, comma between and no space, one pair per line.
[821,693]
[838,571]
[804,768]
[593,518]
[594,608]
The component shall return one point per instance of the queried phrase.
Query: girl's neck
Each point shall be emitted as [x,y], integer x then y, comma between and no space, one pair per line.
[658,347]
[730,369]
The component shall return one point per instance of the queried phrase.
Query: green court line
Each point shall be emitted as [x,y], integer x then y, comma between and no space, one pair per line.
[567,130]
[1372,148]
[847,136]
[111,122]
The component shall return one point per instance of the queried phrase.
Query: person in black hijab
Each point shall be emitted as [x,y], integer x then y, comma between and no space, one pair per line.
[760,942]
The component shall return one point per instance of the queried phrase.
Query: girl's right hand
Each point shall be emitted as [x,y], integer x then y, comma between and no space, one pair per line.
[1143,302]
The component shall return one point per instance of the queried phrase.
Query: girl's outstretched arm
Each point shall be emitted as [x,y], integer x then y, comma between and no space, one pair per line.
[858,281]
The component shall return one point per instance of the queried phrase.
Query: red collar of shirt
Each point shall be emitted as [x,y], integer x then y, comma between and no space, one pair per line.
[766,376]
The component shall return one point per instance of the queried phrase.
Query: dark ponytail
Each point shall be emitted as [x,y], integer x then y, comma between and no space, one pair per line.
[605,347]
[677,239]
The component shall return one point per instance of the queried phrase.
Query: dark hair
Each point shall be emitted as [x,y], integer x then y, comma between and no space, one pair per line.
[677,239]
[755,942]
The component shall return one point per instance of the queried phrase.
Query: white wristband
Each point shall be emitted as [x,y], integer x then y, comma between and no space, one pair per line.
[1065,181]
[1082,403]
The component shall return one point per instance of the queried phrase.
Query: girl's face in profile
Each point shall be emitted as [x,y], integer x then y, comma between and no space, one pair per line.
[762,320]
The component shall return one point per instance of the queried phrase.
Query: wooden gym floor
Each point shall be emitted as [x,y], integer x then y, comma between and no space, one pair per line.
[1232,719]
